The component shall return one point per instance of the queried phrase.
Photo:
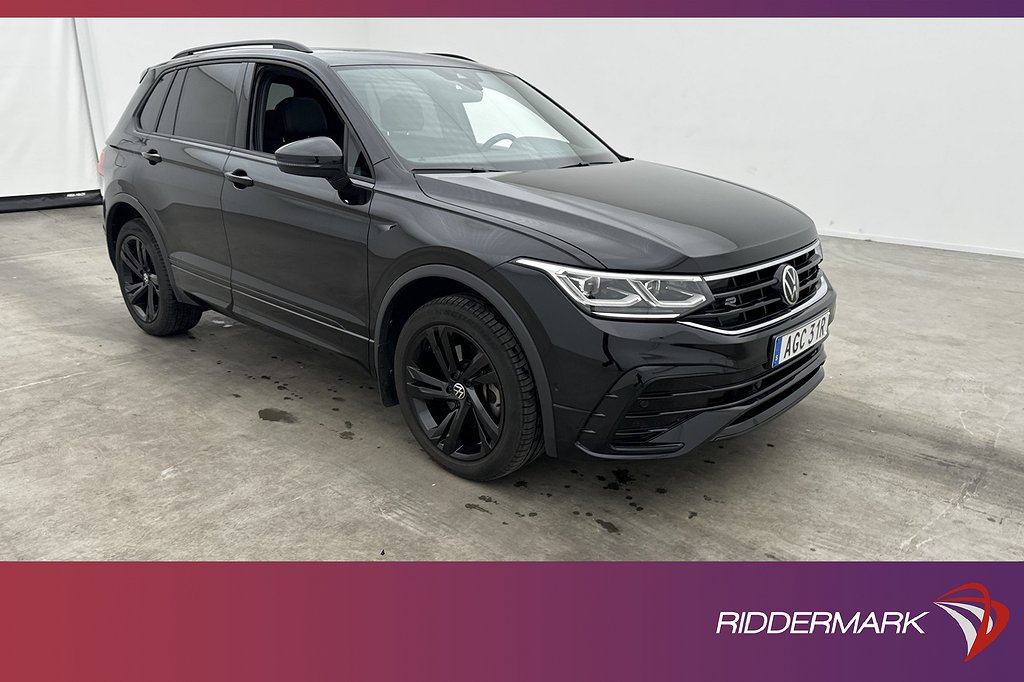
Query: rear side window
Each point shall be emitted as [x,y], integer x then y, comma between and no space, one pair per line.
[166,124]
[207,107]
[151,110]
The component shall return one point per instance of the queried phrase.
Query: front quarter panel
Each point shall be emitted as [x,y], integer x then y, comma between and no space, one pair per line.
[410,240]
[407,233]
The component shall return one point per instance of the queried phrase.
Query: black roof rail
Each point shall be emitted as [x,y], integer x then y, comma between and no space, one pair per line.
[276,44]
[453,56]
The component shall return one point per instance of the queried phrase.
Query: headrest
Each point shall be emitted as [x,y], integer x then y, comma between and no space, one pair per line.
[300,117]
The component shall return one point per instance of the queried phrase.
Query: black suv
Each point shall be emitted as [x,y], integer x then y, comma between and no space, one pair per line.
[513,283]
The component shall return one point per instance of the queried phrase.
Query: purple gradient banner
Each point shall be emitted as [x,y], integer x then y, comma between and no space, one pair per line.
[522,8]
[514,621]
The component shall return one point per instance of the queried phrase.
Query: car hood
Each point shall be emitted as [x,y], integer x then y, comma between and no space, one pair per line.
[635,215]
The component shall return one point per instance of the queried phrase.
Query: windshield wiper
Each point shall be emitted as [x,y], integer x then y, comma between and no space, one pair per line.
[448,169]
[584,163]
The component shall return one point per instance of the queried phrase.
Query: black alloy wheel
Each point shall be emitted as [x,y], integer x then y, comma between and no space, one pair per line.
[455,392]
[139,280]
[466,390]
[145,282]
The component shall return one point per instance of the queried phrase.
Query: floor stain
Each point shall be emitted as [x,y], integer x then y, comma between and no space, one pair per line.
[622,476]
[347,435]
[270,414]
[477,507]
[607,525]
[487,498]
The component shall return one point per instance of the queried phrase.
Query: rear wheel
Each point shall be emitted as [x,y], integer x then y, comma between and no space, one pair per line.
[466,390]
[145,284]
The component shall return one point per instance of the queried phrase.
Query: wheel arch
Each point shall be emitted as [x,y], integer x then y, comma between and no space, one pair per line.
[123,208]
[427,282]
[120,209]
[118,215]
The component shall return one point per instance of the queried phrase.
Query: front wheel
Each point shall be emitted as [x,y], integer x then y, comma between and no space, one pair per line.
[466,390]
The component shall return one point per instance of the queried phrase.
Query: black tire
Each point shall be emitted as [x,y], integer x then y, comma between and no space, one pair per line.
[497,389]
[144,280]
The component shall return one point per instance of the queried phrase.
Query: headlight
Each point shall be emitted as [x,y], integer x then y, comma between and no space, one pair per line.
[613,294]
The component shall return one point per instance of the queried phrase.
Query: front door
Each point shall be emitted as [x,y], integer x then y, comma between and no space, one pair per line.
[298,250]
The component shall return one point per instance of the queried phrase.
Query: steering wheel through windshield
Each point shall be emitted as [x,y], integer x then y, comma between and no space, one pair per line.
[496,139]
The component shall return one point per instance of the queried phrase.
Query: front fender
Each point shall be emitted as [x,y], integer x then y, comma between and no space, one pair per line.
[496,300]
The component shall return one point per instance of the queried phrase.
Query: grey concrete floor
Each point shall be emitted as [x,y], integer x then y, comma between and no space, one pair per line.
[117,445]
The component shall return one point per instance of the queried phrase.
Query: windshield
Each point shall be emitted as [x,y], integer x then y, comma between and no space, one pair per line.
[440,118]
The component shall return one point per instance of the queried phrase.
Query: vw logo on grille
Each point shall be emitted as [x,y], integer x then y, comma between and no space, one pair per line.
[789,284]
[459,391]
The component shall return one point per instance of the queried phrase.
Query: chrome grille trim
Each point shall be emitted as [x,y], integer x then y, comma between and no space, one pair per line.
[818,295]
[762,266]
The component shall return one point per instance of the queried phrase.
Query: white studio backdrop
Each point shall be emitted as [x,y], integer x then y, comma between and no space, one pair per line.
[48,143]
[897,130]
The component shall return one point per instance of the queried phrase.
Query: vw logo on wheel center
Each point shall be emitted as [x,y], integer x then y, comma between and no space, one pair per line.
[459,391]
[789,284]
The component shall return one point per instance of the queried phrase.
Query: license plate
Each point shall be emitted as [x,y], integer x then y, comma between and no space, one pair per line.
[789,345]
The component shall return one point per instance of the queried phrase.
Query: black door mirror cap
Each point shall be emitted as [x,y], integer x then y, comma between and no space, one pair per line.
[315,157]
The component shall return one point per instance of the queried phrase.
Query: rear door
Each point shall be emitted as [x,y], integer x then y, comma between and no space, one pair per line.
[183,146]
[298,249]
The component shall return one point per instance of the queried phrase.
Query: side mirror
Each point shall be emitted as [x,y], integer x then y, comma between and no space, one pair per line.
[314,157]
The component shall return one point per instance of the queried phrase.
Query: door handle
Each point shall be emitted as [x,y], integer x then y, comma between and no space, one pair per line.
[240,179]
[153,156]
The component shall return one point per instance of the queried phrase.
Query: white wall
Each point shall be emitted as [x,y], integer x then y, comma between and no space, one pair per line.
[47,145]
[900,130]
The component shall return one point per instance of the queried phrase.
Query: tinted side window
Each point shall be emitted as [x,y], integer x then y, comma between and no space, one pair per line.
[151,110]
[207,107]
[166,124]
[289,106]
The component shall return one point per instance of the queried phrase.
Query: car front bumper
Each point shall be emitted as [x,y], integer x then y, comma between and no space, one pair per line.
[649,390]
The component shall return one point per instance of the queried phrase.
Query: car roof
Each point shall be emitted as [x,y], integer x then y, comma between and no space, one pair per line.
[329,56]
[353,57]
